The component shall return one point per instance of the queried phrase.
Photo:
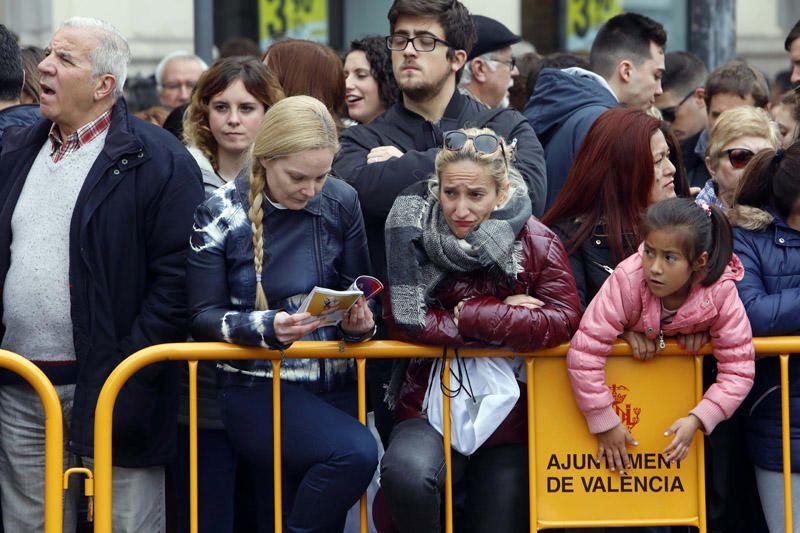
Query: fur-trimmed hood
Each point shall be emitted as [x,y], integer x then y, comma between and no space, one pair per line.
[750,218]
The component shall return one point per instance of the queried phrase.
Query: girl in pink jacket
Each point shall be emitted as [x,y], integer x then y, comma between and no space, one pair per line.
[681,282]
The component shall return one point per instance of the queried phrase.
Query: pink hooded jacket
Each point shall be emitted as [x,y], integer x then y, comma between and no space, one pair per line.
[625,303]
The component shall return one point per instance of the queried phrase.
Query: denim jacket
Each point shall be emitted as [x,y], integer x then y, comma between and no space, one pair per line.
[322,244]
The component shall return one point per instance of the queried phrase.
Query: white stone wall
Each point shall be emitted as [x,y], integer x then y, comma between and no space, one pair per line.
[506,11]
[760,32]
[153,27]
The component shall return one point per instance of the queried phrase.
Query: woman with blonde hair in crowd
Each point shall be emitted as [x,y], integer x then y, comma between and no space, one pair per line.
[738,134]
[259,245]
[468,266]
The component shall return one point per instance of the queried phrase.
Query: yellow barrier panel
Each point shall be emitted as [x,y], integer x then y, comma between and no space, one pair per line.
[535,362]
[53,435]
[572,482]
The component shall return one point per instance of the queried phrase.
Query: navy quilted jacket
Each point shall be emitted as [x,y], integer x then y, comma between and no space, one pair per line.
[770,290]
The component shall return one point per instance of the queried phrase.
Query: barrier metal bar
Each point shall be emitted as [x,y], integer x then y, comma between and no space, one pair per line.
[361,369]
[53,435]
[193,475]
[529,361]
[320,350]
[448,452]
[277,485]
[786,443]
[700,447]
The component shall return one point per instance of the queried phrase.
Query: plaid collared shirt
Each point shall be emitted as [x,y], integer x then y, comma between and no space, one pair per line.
[85,134]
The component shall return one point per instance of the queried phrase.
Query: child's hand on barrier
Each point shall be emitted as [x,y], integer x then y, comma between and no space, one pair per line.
[612,445]
[684,430]
[692,342]
[642,348]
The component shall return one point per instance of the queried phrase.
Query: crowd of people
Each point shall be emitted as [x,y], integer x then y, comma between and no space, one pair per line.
[507,203]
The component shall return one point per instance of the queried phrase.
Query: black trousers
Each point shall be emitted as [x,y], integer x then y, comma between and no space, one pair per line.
[490,488]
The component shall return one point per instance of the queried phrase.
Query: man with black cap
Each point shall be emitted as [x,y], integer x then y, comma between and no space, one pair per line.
[491,67]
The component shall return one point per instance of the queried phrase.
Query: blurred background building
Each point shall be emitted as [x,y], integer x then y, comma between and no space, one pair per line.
[716,30]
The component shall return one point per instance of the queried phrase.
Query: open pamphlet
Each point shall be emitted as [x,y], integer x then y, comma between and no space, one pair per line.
[330,306]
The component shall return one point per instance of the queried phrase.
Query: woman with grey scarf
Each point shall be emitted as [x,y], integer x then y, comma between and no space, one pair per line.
[468,266]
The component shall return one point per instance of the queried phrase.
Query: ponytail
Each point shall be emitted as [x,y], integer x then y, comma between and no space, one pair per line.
[720,247]
[771,181]
[755,188]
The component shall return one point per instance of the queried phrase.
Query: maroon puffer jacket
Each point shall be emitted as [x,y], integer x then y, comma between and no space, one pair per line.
[486,322]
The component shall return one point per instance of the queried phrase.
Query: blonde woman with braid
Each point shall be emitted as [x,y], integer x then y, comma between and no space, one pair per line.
[258,246]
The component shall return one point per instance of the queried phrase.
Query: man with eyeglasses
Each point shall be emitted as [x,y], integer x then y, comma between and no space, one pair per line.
[429,42]
[681,104]
[176,76]
[491,67]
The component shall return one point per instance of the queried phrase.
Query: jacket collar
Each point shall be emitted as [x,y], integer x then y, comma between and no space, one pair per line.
[119,140]
[784,235]
[242,184]
[698,307]
[452,111]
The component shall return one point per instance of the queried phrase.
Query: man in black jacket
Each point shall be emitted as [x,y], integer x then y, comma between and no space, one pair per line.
[430,42]
[95,212]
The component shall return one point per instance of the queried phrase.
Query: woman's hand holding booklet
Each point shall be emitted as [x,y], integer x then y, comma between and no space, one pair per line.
[330,306]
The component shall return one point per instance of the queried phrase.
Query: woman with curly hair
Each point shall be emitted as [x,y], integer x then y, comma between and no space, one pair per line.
[370,87]
[220,125]
[226,110]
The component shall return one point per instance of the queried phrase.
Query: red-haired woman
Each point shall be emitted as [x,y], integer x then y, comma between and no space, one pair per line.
[308,68]
[622,167]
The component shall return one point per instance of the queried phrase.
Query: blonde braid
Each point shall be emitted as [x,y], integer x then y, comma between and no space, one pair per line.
[256,216]
[290,126]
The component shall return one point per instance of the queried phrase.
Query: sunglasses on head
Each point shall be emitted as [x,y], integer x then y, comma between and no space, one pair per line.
[484,143]
[739,157]
[668,113]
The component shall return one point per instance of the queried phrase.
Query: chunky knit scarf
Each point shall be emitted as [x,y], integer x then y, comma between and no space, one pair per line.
[421,250]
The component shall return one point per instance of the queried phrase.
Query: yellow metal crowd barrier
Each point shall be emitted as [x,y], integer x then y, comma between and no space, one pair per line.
[554,482]
[53,436]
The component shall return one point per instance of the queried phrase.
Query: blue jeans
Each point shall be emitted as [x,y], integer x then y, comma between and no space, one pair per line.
[217,465]
[328,457]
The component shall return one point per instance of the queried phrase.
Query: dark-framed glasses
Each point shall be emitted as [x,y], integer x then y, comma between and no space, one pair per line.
[739,157]
[397,42]
[510,63]
[668,113]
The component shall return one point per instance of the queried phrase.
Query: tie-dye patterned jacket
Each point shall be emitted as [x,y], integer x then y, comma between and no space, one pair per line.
[322,244]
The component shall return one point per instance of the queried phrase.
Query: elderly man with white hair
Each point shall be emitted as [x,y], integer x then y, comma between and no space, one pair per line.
[95,210]
[176,75]
[491,68]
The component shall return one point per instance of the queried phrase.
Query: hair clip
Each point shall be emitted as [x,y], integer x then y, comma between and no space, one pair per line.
[705,207]
[778,155]
[258,278]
